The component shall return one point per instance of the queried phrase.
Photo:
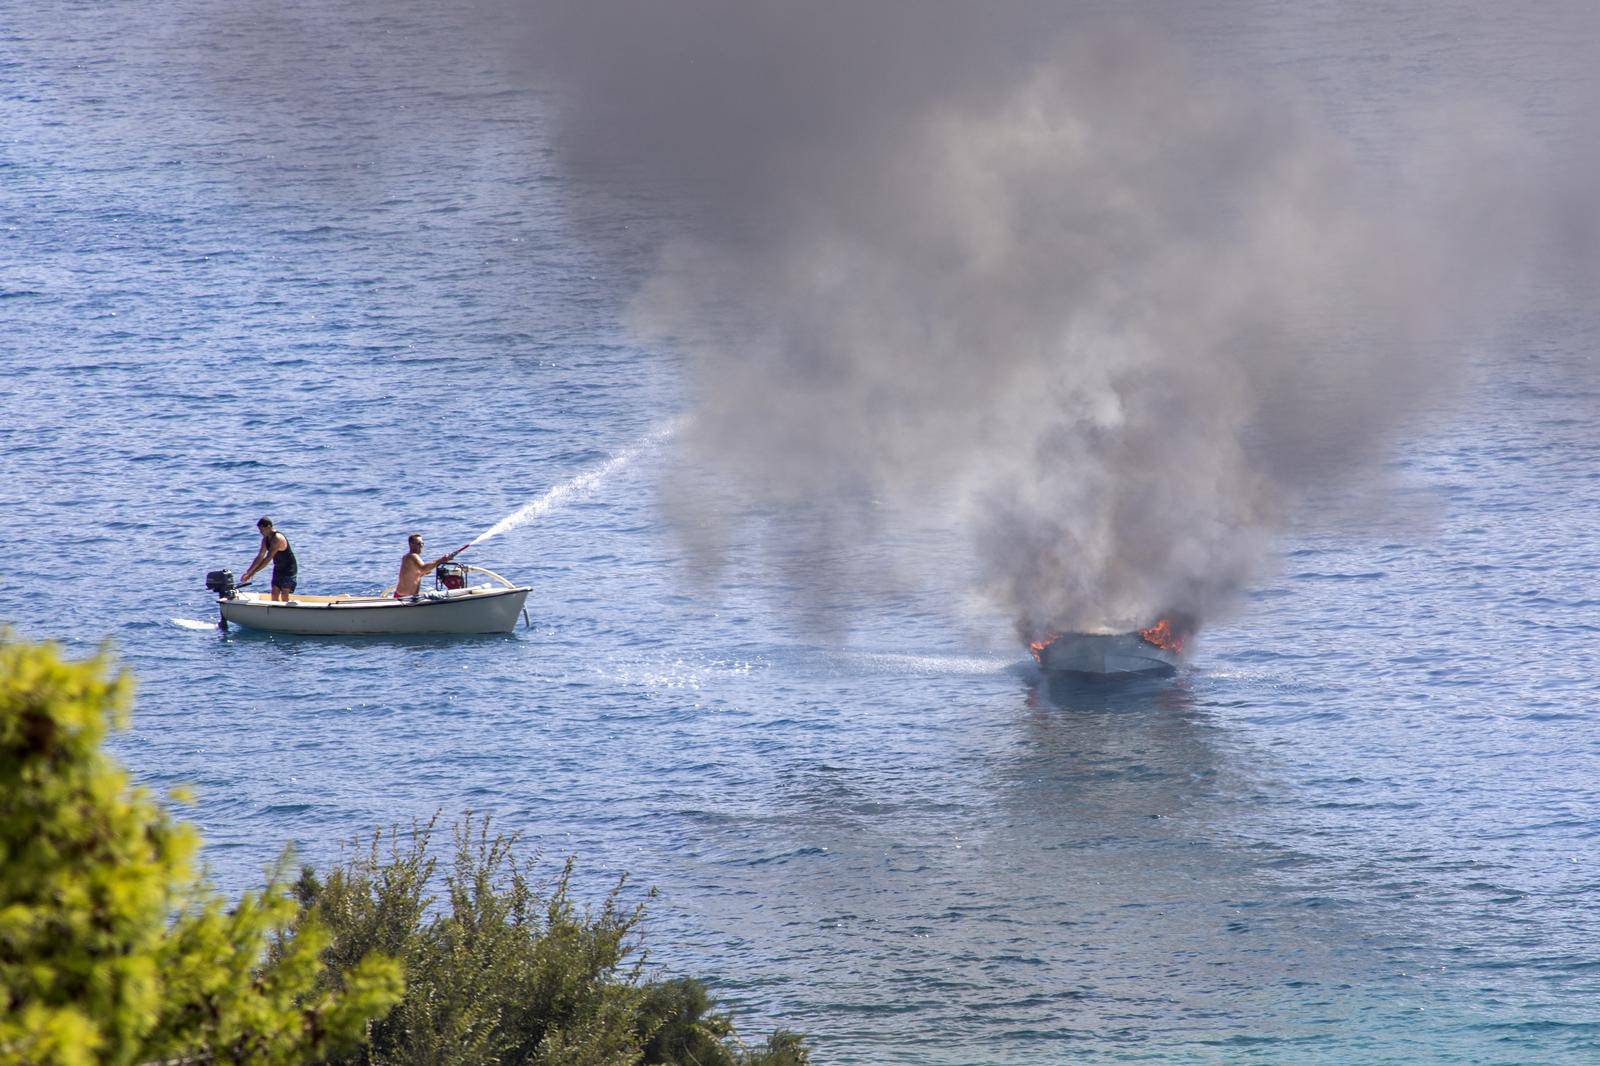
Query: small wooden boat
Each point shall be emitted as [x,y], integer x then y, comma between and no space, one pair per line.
[453,605]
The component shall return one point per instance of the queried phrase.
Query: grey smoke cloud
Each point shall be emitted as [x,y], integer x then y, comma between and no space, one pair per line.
[1037,274]
[1088,285]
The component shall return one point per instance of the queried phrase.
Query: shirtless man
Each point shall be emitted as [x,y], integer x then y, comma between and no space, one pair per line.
[412,567]
[275,550]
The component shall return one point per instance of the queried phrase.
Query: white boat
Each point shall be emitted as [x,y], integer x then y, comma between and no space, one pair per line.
[452,606]
[1105,653]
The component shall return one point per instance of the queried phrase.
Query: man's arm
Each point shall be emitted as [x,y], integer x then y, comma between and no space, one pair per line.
[427,568]
[263,557]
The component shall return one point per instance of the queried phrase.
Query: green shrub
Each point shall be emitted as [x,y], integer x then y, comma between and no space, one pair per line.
[503,970]
[681,1026]
[112,949]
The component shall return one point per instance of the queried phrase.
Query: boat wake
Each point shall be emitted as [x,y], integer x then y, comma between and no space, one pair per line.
[579,486]
[193,624]
[901,664]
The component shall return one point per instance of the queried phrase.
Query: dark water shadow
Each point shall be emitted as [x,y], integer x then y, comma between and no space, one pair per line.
[1097,749]
[1110,693]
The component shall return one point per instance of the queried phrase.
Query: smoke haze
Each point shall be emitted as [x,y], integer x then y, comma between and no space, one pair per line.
[1038,275]
[1094,288]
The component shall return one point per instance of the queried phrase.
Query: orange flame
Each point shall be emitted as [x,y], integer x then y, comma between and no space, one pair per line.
[1162,636]
[1037,647]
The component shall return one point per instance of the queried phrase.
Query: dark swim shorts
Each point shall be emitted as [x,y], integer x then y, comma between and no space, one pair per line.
[286,582]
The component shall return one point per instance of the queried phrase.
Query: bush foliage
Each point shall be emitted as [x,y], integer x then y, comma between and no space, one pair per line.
[504,970]
[114,950]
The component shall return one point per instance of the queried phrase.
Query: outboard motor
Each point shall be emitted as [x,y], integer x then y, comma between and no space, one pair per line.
[450,576]
[221,583]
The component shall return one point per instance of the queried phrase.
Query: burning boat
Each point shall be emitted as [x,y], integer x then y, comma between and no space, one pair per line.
[1157,649]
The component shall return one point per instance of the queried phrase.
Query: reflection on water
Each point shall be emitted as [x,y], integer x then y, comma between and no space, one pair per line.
[1068,861]
[1114,748]
[1062,863]
[1123,801]
[292,642]
[1109,693]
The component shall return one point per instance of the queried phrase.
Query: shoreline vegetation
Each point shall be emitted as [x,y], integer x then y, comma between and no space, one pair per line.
[115,950]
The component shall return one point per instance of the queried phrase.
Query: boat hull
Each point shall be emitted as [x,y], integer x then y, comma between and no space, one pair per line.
[1106,653]
[466,611]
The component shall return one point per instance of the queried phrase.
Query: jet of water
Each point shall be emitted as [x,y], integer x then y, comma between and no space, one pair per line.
[579,486]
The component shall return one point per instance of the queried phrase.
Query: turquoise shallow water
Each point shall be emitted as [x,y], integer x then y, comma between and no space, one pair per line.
[1361,827]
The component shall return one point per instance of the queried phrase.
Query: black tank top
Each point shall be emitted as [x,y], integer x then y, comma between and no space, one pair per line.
[284,564]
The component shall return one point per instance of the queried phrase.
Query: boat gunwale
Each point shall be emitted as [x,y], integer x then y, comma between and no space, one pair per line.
[374,603]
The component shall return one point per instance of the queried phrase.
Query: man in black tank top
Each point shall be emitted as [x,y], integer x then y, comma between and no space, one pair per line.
[275,549]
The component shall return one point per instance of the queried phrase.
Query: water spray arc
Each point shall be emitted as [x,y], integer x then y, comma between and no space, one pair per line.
[576,487]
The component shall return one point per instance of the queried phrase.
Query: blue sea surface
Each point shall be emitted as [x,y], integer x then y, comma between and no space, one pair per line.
[1362,826]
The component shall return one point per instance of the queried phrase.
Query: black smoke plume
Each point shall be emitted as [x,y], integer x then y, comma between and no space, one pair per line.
[1092,286]
[1040,274]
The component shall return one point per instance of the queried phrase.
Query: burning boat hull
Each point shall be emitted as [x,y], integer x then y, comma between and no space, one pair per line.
[1105,653]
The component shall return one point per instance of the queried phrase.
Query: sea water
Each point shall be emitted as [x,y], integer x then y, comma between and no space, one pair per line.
[1360,827]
